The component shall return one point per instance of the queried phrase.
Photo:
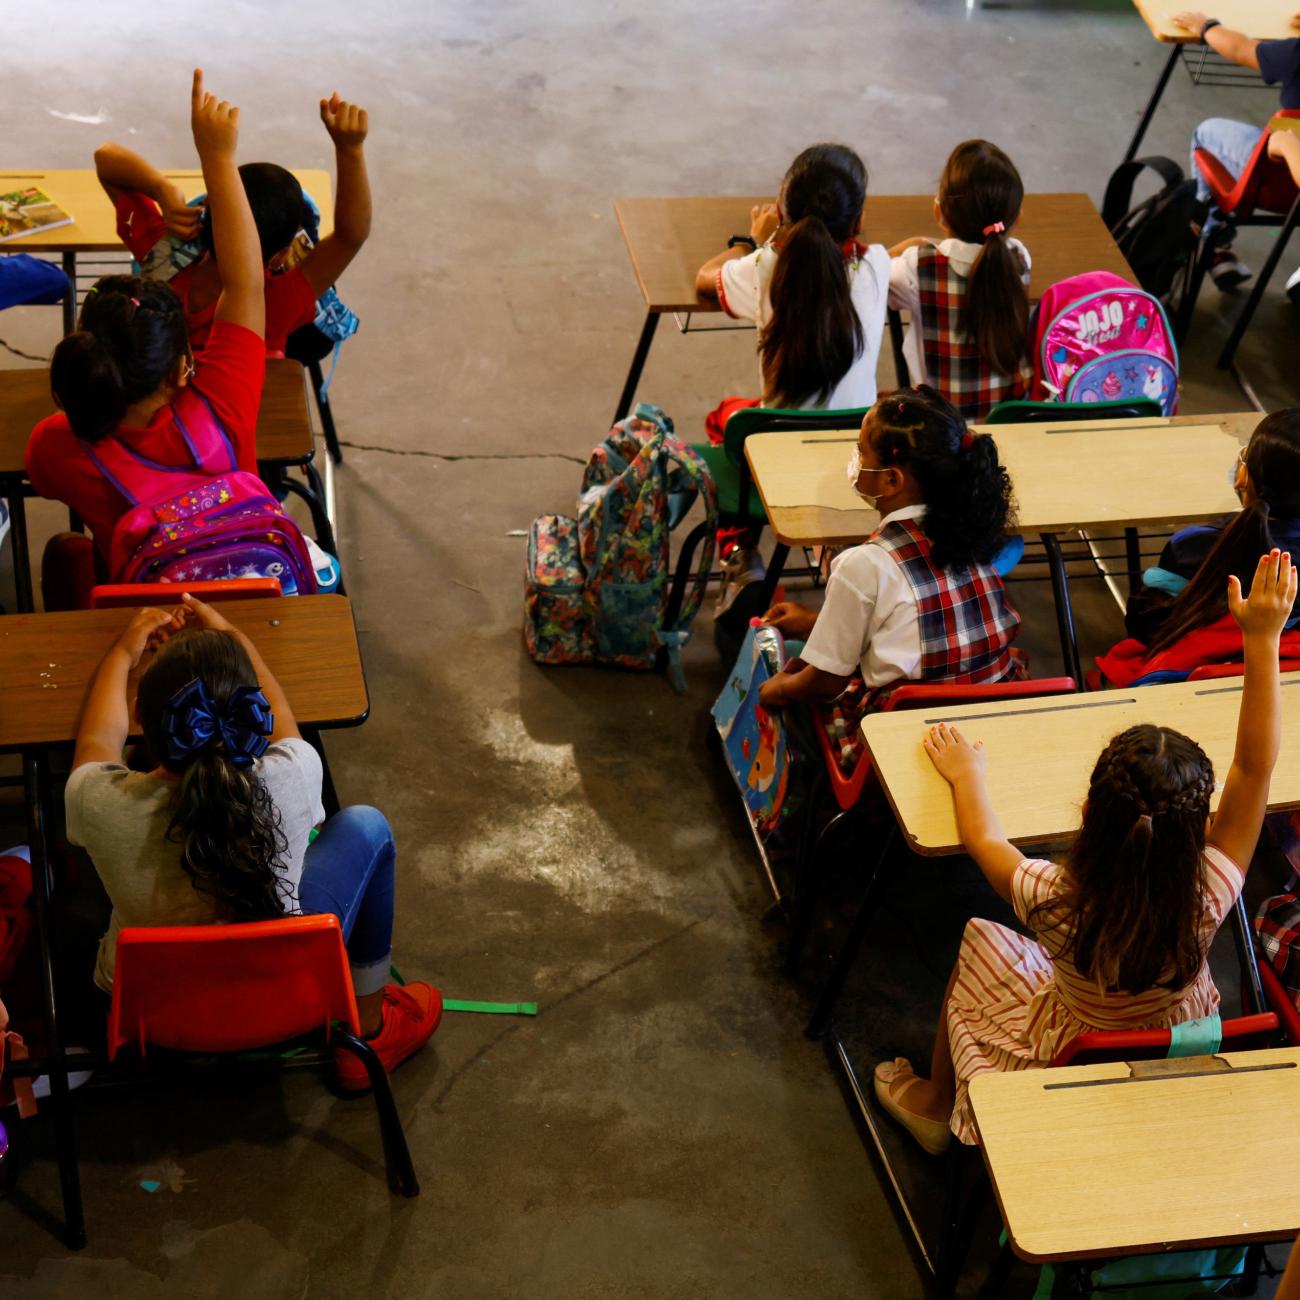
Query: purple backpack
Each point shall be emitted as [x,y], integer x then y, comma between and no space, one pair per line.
[1102,339]
[205,521]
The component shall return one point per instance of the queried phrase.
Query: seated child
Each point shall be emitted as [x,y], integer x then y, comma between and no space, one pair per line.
[217,831]
[965,295]
[1123,927]
[919,600]
[157,225]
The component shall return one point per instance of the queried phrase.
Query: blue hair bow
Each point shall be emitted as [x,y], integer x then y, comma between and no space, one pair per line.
[191,721]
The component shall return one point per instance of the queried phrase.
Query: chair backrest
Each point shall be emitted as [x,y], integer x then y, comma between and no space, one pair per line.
[1018,411]
[118,595]
[229,988]
[1281,1002]
[757,419]
[1102,1047]
[1209,672]
[1264,183]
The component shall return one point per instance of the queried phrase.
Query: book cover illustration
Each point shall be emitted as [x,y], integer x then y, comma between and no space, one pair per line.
[28,212]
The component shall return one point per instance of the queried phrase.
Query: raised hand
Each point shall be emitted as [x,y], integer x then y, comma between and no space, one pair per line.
[764,221]
[348,124]
[1272,595]
[215,123]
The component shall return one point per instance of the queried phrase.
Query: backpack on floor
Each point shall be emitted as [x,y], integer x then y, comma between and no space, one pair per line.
[595,586]
[205,521]
[1156,236]
[1101,339]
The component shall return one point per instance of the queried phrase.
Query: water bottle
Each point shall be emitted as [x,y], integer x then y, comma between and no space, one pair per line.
[769,643]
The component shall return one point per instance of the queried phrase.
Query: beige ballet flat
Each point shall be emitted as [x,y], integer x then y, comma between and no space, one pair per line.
[893,1078]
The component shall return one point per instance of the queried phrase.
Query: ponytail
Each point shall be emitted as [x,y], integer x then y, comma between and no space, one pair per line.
[969,504]
[814,335]
[130,337]
[980,194]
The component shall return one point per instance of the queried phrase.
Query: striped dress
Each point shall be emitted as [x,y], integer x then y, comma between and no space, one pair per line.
[1016,1002]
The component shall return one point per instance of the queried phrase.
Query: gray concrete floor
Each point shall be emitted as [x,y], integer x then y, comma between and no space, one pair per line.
[661,1129]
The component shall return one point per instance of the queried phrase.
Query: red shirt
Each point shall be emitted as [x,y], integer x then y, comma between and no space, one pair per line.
[289,298]
[228,372]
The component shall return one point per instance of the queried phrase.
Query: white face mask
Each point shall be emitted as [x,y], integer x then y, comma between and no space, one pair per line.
[854,469]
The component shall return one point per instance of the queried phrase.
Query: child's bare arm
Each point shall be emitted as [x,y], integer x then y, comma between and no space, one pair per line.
[764,221]
[807,683]
[239,253]
[348,126]
[915,241]
[1261,616]
[1234,46]
[962,764]
[119,169]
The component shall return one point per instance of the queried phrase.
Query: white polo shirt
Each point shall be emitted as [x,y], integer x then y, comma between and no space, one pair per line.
[905,291]
[869,619]
[744,287]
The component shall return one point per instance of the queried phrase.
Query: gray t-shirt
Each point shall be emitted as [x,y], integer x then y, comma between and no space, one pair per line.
[120,818]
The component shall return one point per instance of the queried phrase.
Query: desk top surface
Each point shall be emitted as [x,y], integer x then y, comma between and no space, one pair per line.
[94,226]
[1102,473]
[1262,19]
[1100,1160]
[284,432]
[669,239]
[46,661]
[1041,751]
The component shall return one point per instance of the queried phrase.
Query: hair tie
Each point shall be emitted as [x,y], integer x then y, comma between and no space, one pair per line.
[967,440]
[995,229]
[135,302]
[94,288]
[192,721]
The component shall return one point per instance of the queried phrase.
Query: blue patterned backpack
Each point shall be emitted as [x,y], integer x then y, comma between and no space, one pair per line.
[596,586]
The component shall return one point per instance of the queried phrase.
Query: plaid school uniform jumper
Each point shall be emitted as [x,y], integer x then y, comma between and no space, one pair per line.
[966,623]
[952,360]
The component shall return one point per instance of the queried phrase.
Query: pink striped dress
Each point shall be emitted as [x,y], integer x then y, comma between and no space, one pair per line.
[1016,1002]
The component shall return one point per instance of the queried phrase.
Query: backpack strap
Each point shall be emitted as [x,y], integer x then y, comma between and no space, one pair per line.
[1119,189]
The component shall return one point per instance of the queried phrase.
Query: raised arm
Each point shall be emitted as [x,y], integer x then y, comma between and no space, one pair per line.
[1261,616]
[348,125]
[119,169]
[962,765]
[234,236]
[1234,46]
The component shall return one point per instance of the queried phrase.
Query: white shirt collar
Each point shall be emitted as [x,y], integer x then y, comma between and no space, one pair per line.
[904,512]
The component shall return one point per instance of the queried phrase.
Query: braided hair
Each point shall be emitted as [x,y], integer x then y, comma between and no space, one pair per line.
[1134,903]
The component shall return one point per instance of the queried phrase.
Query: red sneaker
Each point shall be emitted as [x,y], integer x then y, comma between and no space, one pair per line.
[411,1013]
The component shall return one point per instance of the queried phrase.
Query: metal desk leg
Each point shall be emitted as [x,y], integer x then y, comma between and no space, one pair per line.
[70,301]
[1133,559]
[637,366]
[1149,112]
[60,1100]
[22,551]
[1064,613]
[901,372]
[1243,936]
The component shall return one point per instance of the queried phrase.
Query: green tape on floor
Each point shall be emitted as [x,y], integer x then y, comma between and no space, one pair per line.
[492,1008]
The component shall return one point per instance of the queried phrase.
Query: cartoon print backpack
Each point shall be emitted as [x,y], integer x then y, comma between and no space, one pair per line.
[595,586]
[1101,339]
[199,522]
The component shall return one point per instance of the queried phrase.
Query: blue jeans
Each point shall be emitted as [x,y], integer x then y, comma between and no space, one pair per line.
[348,871]
[25,279]
[1230,142]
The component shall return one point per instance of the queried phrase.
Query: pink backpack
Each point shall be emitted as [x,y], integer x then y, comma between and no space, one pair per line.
[1102,339]
[200,522]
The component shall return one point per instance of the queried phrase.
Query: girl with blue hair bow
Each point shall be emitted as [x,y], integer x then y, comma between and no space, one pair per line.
[217,830]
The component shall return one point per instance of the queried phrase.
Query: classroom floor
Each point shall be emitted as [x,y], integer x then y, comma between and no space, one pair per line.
[662,1128]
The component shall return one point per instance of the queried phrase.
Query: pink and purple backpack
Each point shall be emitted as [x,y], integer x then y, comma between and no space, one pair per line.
[200,522]
[1102,339]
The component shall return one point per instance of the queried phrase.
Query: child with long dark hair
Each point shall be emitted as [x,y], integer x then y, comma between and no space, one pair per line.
[919,599]
[1123,927]
[966,293]
[217,830]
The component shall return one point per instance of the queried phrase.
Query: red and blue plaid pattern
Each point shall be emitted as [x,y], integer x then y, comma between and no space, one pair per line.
[952,361]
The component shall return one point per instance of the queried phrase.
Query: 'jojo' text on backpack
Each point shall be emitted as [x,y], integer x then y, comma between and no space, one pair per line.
[1102,339]
[199,522]
[1157,236]
[595,587]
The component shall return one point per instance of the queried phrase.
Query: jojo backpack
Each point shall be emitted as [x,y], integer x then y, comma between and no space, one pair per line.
[596,586]
[1155,236]
[1101,339]
[199,522]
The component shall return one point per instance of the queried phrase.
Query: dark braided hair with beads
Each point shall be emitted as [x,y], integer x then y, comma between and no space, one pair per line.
[1134,902]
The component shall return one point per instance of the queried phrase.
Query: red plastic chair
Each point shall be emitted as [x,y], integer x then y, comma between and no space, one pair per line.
[1281,1002]
[852,790]
[120,595]
[1210,672]
[233,988]
[1262,193]
[1100,1047]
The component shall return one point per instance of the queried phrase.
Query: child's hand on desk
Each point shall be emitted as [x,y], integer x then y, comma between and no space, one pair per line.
[147,631]
[1192,20]
[347,123]
[1272,595]
[791,619]
[953,756]
[198,614]
[215,123]
[764,221]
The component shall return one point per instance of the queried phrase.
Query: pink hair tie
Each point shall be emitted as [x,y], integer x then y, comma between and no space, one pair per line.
[995,229]
[967,440]
[135,302]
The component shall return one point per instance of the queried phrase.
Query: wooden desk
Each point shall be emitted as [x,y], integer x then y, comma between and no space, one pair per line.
[1041,752]
[669,239]
[1261,19]
[46,661]
[1088,1162]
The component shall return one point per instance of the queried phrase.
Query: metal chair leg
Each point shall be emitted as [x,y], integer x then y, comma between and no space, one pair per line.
[807,890]
[960,1208]
[324,411]
[1243,937]
[1261,283]
[397,1154]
